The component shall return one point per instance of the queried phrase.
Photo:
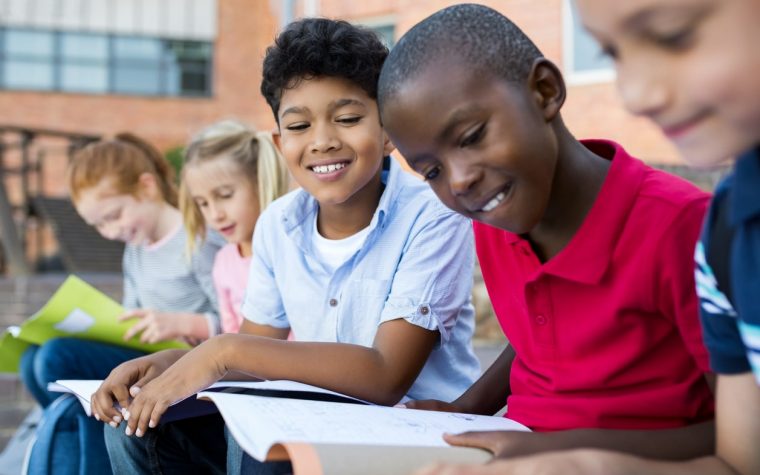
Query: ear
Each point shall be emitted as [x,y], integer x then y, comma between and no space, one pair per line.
[388,146]
[276,137]
[548,87]
[147,187]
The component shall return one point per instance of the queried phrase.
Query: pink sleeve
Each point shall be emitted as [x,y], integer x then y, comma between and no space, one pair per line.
[229,320]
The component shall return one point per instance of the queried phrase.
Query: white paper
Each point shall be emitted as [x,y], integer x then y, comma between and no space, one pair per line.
[258,423]
[84,388]
[78,321]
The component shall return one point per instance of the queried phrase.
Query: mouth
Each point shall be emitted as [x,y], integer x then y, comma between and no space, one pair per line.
[681,128]
[495,199]
[326,169]
[227,230]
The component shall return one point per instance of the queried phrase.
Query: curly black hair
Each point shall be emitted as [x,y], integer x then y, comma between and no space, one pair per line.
[315,47]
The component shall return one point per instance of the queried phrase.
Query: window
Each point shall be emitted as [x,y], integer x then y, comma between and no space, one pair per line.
[84,63]
[386,33]
[583,57]
[99,64]
[28,59]
[384,26]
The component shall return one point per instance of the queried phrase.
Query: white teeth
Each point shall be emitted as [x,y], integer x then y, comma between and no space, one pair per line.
[494,202]
[328,168]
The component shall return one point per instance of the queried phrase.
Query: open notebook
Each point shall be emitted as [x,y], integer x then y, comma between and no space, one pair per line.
[324,432]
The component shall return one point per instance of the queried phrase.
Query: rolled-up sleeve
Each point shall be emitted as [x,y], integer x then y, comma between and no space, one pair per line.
[433,281]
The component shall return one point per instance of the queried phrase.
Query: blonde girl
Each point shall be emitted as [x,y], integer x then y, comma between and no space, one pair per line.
[231,173]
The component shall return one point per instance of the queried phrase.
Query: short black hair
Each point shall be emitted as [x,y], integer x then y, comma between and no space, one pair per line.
[316,47]
[479,36]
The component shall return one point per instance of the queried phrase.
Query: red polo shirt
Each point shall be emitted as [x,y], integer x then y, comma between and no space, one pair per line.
[607,332]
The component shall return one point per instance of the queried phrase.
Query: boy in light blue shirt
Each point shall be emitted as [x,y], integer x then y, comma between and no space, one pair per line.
[364,264]
[414,263]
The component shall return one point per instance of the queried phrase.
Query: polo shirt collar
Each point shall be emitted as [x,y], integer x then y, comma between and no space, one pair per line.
[589,253]
[745,193]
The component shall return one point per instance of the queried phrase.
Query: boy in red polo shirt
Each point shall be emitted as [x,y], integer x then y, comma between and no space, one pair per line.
[586,252]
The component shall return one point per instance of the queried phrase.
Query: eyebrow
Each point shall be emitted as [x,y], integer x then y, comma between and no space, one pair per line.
[337,104]
[293,110]
[345,102]
[454,120]
[640,20]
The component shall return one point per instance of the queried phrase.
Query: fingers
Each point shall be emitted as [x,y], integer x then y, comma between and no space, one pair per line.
[137,328]
[138,313]
[488,440]
[144,414]
[101,404]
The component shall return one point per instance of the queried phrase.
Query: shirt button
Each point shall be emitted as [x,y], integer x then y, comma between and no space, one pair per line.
[540,320]
[333,302]
[424,309]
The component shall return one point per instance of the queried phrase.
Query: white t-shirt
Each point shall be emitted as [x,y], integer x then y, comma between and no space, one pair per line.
[334,252]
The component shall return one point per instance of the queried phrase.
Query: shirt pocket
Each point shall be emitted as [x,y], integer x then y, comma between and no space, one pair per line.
[363,302]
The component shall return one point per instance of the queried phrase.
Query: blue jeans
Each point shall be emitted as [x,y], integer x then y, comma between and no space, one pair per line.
[196,445]
[68,358]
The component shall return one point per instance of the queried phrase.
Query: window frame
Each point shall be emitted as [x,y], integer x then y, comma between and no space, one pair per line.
[163,63]
[573,76]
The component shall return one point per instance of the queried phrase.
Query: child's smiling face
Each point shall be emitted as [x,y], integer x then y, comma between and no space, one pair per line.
[485,145]
[332,140]
[692,66]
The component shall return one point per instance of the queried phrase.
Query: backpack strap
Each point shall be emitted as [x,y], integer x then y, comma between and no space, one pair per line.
[721,243]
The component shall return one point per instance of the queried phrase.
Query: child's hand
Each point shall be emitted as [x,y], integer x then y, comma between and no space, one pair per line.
[576,462]
[431,405]
[118,386]
[196,370]
[155,326]
[503,444]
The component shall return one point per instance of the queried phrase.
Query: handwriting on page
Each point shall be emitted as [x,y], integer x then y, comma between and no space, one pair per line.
[291,420]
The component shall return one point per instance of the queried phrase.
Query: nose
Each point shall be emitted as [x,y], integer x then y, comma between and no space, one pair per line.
[462,176]
[216,211]
[324,139]
[643,87]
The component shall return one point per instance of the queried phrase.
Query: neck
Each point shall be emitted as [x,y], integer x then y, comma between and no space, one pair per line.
[245,248]
[338,221]
[167,220]
[578,177]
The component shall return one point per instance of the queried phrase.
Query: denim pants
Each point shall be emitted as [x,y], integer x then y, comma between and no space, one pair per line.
[196,445]
[68,358]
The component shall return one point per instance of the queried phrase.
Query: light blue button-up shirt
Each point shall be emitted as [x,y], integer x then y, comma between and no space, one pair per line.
[416,263]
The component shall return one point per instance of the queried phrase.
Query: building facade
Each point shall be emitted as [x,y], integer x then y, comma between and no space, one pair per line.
[163,69]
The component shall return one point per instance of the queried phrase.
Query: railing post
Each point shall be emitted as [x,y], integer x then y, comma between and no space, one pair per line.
[13,249]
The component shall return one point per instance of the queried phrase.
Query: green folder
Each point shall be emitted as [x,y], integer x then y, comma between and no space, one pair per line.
[77,310]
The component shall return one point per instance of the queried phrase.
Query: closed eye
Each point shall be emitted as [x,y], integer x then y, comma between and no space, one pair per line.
[297,126]
[349,119]
[432,173]
[473,136]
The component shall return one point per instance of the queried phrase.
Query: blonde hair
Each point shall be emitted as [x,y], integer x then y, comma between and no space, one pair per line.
[256,154]
[122,159]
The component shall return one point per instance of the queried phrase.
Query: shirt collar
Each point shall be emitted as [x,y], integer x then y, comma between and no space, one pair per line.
[588,254]
[745,194]
[301,211]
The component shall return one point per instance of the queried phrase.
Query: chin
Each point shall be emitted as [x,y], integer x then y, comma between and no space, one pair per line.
[708,156]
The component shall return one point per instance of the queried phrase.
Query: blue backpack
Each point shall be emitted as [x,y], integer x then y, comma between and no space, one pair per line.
[68,442]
